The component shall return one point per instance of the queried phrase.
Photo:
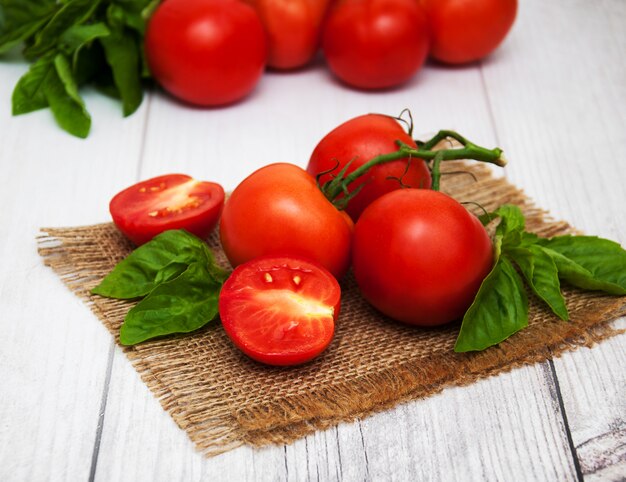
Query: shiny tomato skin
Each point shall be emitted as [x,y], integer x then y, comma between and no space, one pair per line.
[172,201]
[279,210]
[468,30]
[375,44]
[359,140]
[419,256]
[280,310]
[293,30]
[206,52]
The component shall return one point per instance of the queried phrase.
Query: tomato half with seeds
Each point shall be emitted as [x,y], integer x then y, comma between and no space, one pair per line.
[172,201]
[280,310]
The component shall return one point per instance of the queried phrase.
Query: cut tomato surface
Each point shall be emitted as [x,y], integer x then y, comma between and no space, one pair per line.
[173,201]
[280,310]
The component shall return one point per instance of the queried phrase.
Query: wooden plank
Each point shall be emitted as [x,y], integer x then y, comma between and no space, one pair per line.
[54,353]
[560,109]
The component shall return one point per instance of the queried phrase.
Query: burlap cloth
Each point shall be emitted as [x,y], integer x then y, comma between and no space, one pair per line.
[222,399]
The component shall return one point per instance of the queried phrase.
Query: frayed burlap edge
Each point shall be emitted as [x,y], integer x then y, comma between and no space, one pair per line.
[216,426]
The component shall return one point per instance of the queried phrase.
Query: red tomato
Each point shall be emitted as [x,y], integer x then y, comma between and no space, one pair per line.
[280,311]
[359,140]
[468,30]
[419,256]
[279,210]
[293,29]
[173,201]
[206,52]
[375,44]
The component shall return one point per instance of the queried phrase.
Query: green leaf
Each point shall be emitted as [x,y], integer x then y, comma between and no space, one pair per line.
[181,305]
[132,14]
[499,310]
[122,54]
[88,63]
[589,262]
[541,275]
[29,93]
[73,12]
[512,224]
[78,36]
[20,20]
[160,260]
[64,100]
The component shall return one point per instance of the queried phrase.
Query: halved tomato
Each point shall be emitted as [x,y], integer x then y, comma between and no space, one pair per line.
[280,310]
[173,201]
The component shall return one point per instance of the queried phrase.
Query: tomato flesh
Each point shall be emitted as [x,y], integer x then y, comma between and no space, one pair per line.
[172,201]
[280,310]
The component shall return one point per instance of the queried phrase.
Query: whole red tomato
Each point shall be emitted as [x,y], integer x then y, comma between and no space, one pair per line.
[419,256]
[279,210]
[172,201]
[375,44]
[293,29]
[468,30]
[356,142]
[206,52]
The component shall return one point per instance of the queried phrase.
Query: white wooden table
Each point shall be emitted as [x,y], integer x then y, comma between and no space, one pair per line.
[72,407]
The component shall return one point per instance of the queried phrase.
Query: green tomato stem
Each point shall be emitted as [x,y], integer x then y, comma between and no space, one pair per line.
[468,150]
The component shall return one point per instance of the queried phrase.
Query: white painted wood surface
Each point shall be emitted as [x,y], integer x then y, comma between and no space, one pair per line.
[71,406]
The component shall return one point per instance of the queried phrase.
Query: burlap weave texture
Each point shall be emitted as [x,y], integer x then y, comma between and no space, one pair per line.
[223,400]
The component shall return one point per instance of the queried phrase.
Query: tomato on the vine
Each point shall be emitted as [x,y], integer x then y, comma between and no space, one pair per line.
[293,29]
[279,210]
[359,140]
[375,44]
[206,52]
[468,30]
[172,201]
[419,256]
[280,310]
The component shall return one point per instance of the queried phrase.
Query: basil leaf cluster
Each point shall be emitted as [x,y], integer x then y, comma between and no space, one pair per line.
[71,43]
[500,308]
[178,281]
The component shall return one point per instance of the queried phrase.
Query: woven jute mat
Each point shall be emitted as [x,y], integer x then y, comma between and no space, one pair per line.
[222,399]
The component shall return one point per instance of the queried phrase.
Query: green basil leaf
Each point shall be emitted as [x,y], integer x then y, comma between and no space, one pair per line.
[159,260]
[65,101]
[122,54]
[73,12]
[589,262]
[132,14]
[88,63]
[499,310]
[542,276]
[20,20]
[181,305]
[512,224]
[29,93]
[78,36]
